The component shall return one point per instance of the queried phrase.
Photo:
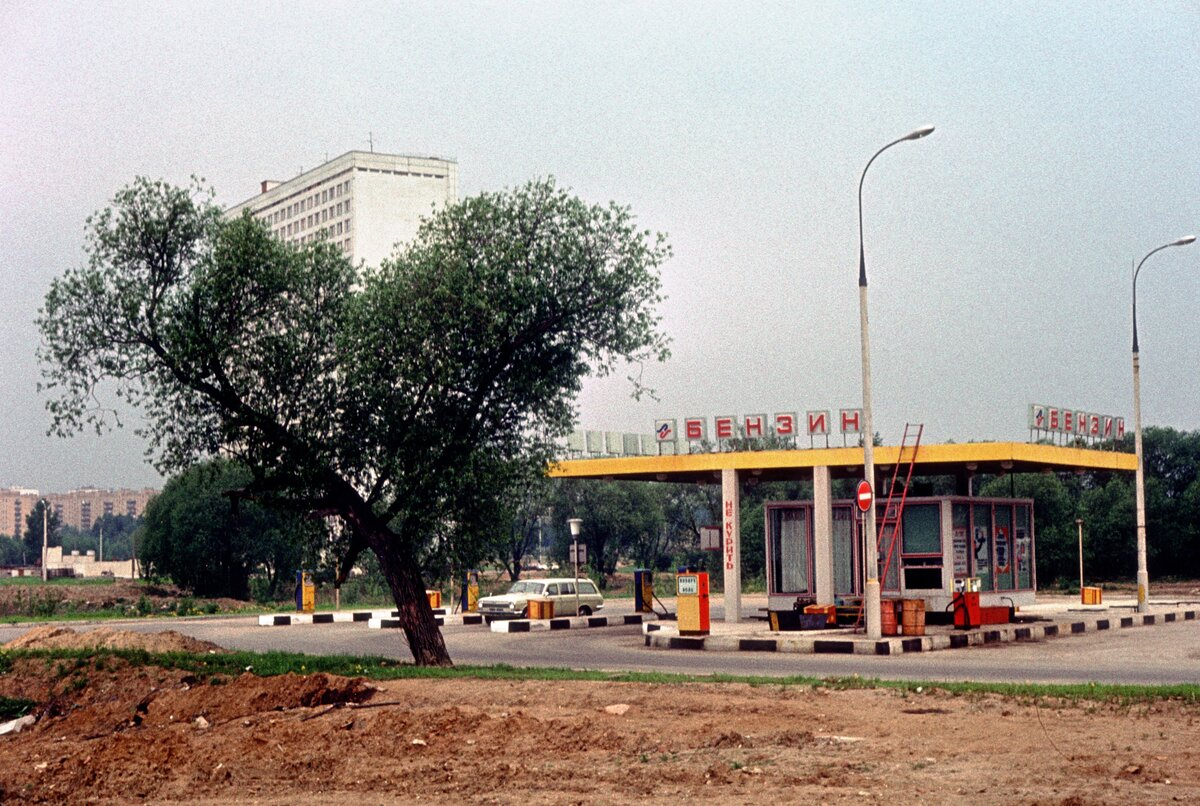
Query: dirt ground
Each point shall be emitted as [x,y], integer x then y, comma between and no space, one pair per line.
[111,733]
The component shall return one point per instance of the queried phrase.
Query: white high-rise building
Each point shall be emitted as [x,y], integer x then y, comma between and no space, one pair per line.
[362,201]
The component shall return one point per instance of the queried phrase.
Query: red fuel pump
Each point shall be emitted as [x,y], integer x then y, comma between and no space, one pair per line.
[967,613]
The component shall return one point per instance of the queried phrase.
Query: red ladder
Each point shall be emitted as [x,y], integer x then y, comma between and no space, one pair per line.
[893,510]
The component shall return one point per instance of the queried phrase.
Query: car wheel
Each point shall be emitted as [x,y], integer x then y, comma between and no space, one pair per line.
[525,612]
[585,611]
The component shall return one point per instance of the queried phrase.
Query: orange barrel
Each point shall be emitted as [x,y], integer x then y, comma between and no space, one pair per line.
[913,618]
[887,616]
[435,598]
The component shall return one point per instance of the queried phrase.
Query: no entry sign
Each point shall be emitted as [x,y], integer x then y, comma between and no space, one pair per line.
[864,495]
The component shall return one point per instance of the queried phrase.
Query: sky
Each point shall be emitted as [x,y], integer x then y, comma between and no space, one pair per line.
[999,249]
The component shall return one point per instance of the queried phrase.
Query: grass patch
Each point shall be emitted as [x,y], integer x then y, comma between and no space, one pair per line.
[62,582]
[14,707]
[378,668]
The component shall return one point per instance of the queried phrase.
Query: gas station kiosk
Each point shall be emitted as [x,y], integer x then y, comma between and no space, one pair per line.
[815,548]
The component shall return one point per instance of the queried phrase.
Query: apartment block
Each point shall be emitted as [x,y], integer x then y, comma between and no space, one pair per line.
[364,202]
[78,509]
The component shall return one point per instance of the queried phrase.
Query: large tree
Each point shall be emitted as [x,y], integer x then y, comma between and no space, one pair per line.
[392,399]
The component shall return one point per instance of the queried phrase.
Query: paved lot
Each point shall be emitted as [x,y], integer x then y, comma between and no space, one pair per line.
[1167,653]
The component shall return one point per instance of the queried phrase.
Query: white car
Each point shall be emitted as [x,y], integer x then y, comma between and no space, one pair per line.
[561,590]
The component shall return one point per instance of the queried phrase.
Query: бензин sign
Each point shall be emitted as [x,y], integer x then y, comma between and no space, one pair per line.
[1057,420]
[750,426]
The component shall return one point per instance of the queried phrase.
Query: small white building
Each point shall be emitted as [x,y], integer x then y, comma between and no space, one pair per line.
[86,565]
[364,202]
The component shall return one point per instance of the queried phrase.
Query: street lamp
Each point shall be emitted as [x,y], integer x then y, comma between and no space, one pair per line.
[575,524]
[1143,577]
[45,536]
[871,593]
[1079,526]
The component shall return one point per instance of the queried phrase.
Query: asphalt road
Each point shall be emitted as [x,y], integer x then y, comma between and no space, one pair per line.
[1168,653]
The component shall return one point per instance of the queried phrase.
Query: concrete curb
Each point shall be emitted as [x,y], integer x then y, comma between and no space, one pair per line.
[337,617]
[577,622]
[828,643]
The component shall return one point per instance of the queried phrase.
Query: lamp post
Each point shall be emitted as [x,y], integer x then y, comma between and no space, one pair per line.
[1079,526]
[871,592]
[1143,577]
[45,536]
[575,524]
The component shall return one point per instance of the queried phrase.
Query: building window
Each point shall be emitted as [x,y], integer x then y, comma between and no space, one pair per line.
[131,507]
[108,507]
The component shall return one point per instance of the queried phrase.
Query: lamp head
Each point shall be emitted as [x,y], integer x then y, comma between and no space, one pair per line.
[575,523]
[1184,241]
[924,131]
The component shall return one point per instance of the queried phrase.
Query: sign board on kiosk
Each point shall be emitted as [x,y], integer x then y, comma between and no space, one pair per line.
[691,590]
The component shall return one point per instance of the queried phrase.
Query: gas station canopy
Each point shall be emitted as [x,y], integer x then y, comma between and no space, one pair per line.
[993,458]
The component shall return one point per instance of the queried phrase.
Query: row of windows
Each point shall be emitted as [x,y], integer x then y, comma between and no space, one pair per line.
[400,173]
[340,228]
[298,208]
[343,244]
[317,219]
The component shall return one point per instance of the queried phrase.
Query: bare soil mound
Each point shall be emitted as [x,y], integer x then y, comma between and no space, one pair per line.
[53,637]
[109,732]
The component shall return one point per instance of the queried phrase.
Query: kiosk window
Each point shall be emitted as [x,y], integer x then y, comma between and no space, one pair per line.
[1023,548]
[922,541]
[961,525]
[922,529]
[1003,547]
[843,552]
[790,551]
[981,545]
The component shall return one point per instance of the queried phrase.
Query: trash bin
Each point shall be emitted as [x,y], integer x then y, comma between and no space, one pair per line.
[435,598]
[887,617]
[541,608]
[912,616]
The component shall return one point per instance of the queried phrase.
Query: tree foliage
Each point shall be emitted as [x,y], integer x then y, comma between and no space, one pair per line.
[197,533]
[399,400]
[41,524]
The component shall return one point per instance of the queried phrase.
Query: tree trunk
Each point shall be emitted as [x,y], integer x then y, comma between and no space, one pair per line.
[408,589]
[403,577]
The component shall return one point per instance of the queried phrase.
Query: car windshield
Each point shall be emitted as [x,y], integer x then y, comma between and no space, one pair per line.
[525,586]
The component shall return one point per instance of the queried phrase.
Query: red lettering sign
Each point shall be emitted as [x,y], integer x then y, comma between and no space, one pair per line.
[693,428]
[850,421]
[1094,428]
[754,425]
[1108,427]
[1120,428]
[724,427]
[785,425]
[1055,421]
[818,423]
[1069,421]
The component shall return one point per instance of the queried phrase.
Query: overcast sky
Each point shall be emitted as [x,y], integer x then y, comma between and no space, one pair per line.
[999,249]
